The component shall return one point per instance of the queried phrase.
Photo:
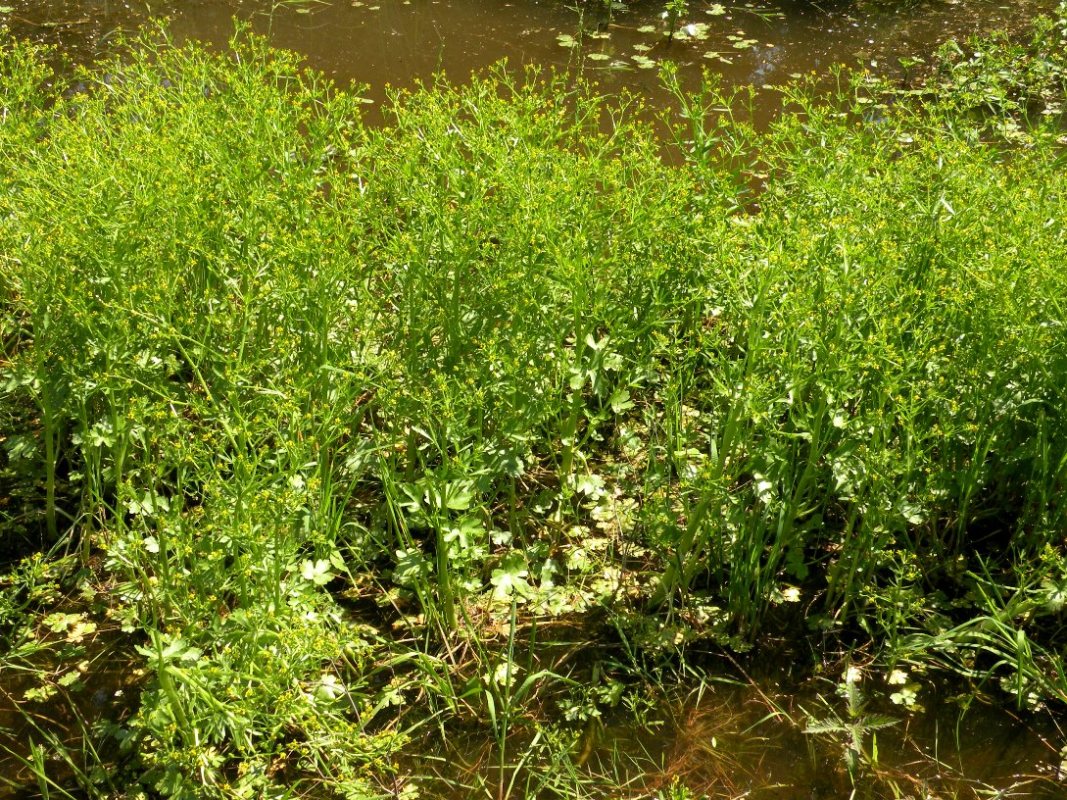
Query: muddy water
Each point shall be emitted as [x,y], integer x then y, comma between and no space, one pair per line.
[61,688]
[397,42]
[756,741]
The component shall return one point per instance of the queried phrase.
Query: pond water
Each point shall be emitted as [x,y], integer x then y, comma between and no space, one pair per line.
[398,42]
[64,686]
[763,740]
[733,742]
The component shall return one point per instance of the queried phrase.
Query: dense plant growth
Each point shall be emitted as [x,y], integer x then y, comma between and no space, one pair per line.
[330,418]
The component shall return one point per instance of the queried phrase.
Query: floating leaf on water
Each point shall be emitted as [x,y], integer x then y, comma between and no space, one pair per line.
[598,57]
[599,35]
[60,622]
[566,40]
[40,693]
[716,56]
[697,30]
[647,29]
[897,677]
[716,10]
[70,678]
[642,48]
[745,44]
[6,9]
[80,630]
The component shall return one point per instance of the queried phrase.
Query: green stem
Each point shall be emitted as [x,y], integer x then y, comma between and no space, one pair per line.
[444,580]
[50,456]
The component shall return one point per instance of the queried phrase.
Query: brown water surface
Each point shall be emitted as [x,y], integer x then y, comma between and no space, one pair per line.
[762,742]
[399,42]
[57,696]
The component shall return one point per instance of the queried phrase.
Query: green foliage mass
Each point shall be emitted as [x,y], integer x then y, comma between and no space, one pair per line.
[500,359]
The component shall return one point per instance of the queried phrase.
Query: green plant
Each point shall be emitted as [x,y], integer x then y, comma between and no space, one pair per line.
[856,726]
[340,414]
[673,10]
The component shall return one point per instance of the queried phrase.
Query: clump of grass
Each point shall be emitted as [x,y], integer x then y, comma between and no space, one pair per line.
[337,410]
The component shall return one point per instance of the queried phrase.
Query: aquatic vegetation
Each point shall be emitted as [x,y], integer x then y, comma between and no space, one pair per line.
[1011,80]
[346,423]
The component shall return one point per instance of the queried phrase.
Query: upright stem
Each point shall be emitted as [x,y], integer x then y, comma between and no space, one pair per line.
[50,456]
[503,733]
[444,579]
